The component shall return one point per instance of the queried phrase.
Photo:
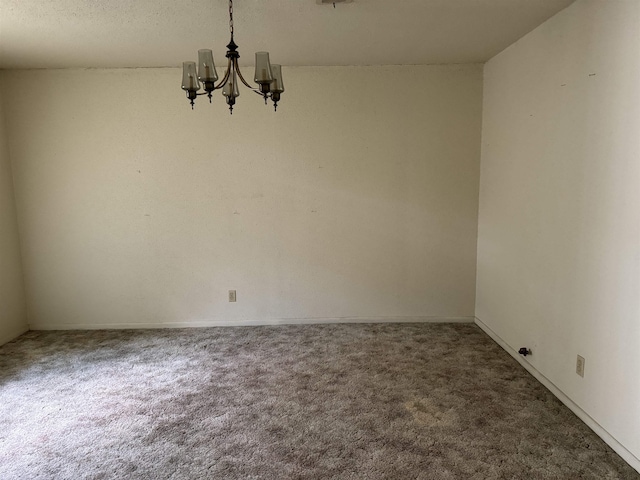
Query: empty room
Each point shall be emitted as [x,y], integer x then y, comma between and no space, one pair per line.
[402,244]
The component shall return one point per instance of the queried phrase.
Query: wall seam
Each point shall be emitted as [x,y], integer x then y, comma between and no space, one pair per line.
[4,125]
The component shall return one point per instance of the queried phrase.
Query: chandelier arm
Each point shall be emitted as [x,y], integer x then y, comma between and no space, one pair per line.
[225,78]
[237,68]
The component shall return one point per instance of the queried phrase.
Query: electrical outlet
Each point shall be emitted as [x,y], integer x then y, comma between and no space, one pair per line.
[580,366]
[232,295]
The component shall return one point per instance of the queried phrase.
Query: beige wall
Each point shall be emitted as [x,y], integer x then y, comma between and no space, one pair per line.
[13,316]
[357,199]
[559,221]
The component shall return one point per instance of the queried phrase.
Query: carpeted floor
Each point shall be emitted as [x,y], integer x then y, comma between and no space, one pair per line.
[408,401]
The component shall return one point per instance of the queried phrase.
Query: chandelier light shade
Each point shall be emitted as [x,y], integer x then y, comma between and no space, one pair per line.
[203,76]
[206,67]
[263,74]
[189,78]
[230,90]
[276,87]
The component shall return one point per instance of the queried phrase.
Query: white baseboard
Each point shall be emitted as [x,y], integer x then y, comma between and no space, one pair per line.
[620,449]
[247,322]
[13,334]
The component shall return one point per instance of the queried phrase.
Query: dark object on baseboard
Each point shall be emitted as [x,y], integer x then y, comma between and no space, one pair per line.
[524,351]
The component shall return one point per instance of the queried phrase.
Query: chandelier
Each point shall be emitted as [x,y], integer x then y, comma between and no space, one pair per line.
[267,76]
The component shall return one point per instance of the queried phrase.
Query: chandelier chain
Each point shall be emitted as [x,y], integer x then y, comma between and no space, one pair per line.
[231,17]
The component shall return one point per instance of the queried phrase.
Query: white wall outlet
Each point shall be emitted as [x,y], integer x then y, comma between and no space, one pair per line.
[232,295]
[580,366]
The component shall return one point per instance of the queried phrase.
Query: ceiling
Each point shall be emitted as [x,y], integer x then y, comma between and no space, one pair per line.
[158,33]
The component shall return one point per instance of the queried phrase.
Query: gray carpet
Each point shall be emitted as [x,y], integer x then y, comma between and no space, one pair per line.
[408,401]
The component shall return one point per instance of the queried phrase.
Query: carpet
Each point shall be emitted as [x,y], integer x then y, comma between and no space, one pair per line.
[384,401]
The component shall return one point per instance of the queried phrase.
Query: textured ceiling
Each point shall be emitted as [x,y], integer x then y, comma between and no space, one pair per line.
[154,33]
